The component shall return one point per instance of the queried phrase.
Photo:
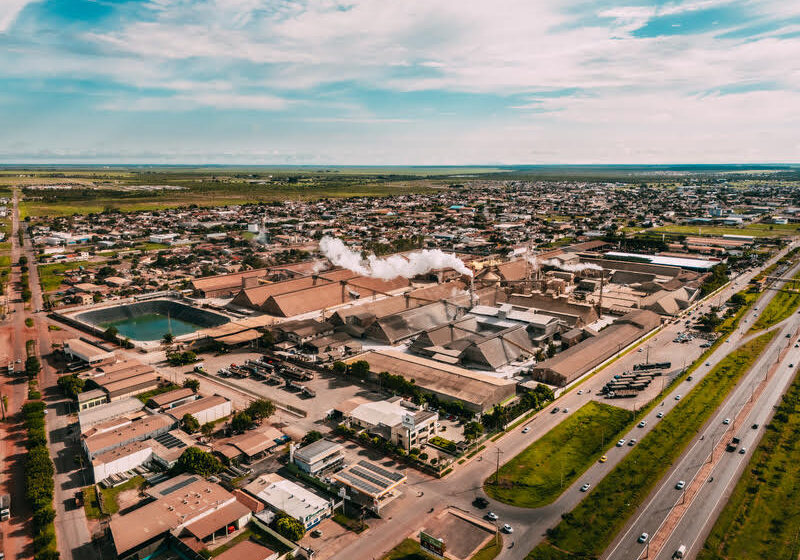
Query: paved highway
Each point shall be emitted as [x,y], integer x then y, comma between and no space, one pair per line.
[654,517]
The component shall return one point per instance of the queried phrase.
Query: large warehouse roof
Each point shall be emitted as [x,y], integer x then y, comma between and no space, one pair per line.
[476,390]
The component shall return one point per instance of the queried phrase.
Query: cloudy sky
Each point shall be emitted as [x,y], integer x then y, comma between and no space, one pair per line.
[399,81]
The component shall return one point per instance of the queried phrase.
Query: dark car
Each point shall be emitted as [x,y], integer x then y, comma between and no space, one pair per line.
[481,502]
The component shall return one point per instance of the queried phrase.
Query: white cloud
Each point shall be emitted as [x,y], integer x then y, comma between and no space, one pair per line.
[9,10]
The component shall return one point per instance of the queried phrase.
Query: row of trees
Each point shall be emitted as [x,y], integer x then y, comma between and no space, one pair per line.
[39,484]
[529,400]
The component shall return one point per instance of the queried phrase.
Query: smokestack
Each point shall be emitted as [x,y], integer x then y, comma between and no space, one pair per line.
[471,291]
[408,300]
[600,300]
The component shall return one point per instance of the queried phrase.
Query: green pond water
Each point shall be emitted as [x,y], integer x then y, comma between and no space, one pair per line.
[151,326]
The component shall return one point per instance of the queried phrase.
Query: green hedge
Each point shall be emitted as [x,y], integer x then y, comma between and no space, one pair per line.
[39,485]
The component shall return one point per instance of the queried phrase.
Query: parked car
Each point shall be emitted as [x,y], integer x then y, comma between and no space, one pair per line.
[660,415]
[620,443]
[555,409]
[754,426]
[492,516]
[526,429]
[677,397]
[632,442]
[508,528]
[603,459]
[743,450]
[481,502]
[643,423]
[585,487]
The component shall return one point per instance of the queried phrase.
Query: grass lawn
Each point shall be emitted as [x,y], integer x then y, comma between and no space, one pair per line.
[409,549]
[51,275]
[152,246]
[762,516]
[349,523]
[90,503]
[491,550]
[110,494]
[756,230]
[146,396]
[534,477]
[588,529]
[255,533]
[783,304]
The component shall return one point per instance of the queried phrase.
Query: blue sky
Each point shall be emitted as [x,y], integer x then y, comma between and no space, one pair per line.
[399,82]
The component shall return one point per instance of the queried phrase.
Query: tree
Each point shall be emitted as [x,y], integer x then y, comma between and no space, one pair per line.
[32,367]
[260,409]
[197,461]
[551,350]
[207,429]
[311,437]
[359,369]
[71,385]
[190,423]
[168,338]
[339,368]
[241,421]
[111,333]
[472,430]
[268,339]
[192,384]
[289,527]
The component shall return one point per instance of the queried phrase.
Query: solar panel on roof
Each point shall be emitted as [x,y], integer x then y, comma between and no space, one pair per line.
[181,484]
[395,476]
[358,483]
[370,477]
[169,441]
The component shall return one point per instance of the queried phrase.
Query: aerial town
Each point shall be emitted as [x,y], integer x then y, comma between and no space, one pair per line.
[424,374]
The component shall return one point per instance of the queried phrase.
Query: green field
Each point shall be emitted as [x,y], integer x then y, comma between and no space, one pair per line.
[762,516]
[587,530]
[538,475]
[110,494]
[491,550]
[409,549]
[756,230]
[51,275]
[782,305]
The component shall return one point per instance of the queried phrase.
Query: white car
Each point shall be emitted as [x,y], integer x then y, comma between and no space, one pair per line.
[580,392]
[643,537]
[492,515]
[660,415]
[508,528]
[677,397]
[726,421]
[525,430]
[620,443]
[584,488]
[643,423]
[680,485]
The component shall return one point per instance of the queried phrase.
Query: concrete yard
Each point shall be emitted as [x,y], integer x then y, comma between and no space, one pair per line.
[463,534]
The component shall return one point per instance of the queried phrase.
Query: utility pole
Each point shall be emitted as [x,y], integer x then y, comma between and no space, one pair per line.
[497,468]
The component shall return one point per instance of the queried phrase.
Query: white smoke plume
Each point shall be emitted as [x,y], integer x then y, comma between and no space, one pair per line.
[580,267]
[408,266]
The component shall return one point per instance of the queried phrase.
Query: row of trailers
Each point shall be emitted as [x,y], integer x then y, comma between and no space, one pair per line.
[273,372]
[628,384]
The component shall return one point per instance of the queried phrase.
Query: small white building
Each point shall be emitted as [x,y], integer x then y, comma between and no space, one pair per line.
[206,409]
[163,237]
[121,459]
[295,501]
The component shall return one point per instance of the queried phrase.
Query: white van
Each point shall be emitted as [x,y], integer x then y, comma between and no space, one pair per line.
[680,552]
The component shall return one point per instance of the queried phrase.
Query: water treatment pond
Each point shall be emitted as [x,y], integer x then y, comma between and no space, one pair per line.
[151,320]
[152,326]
